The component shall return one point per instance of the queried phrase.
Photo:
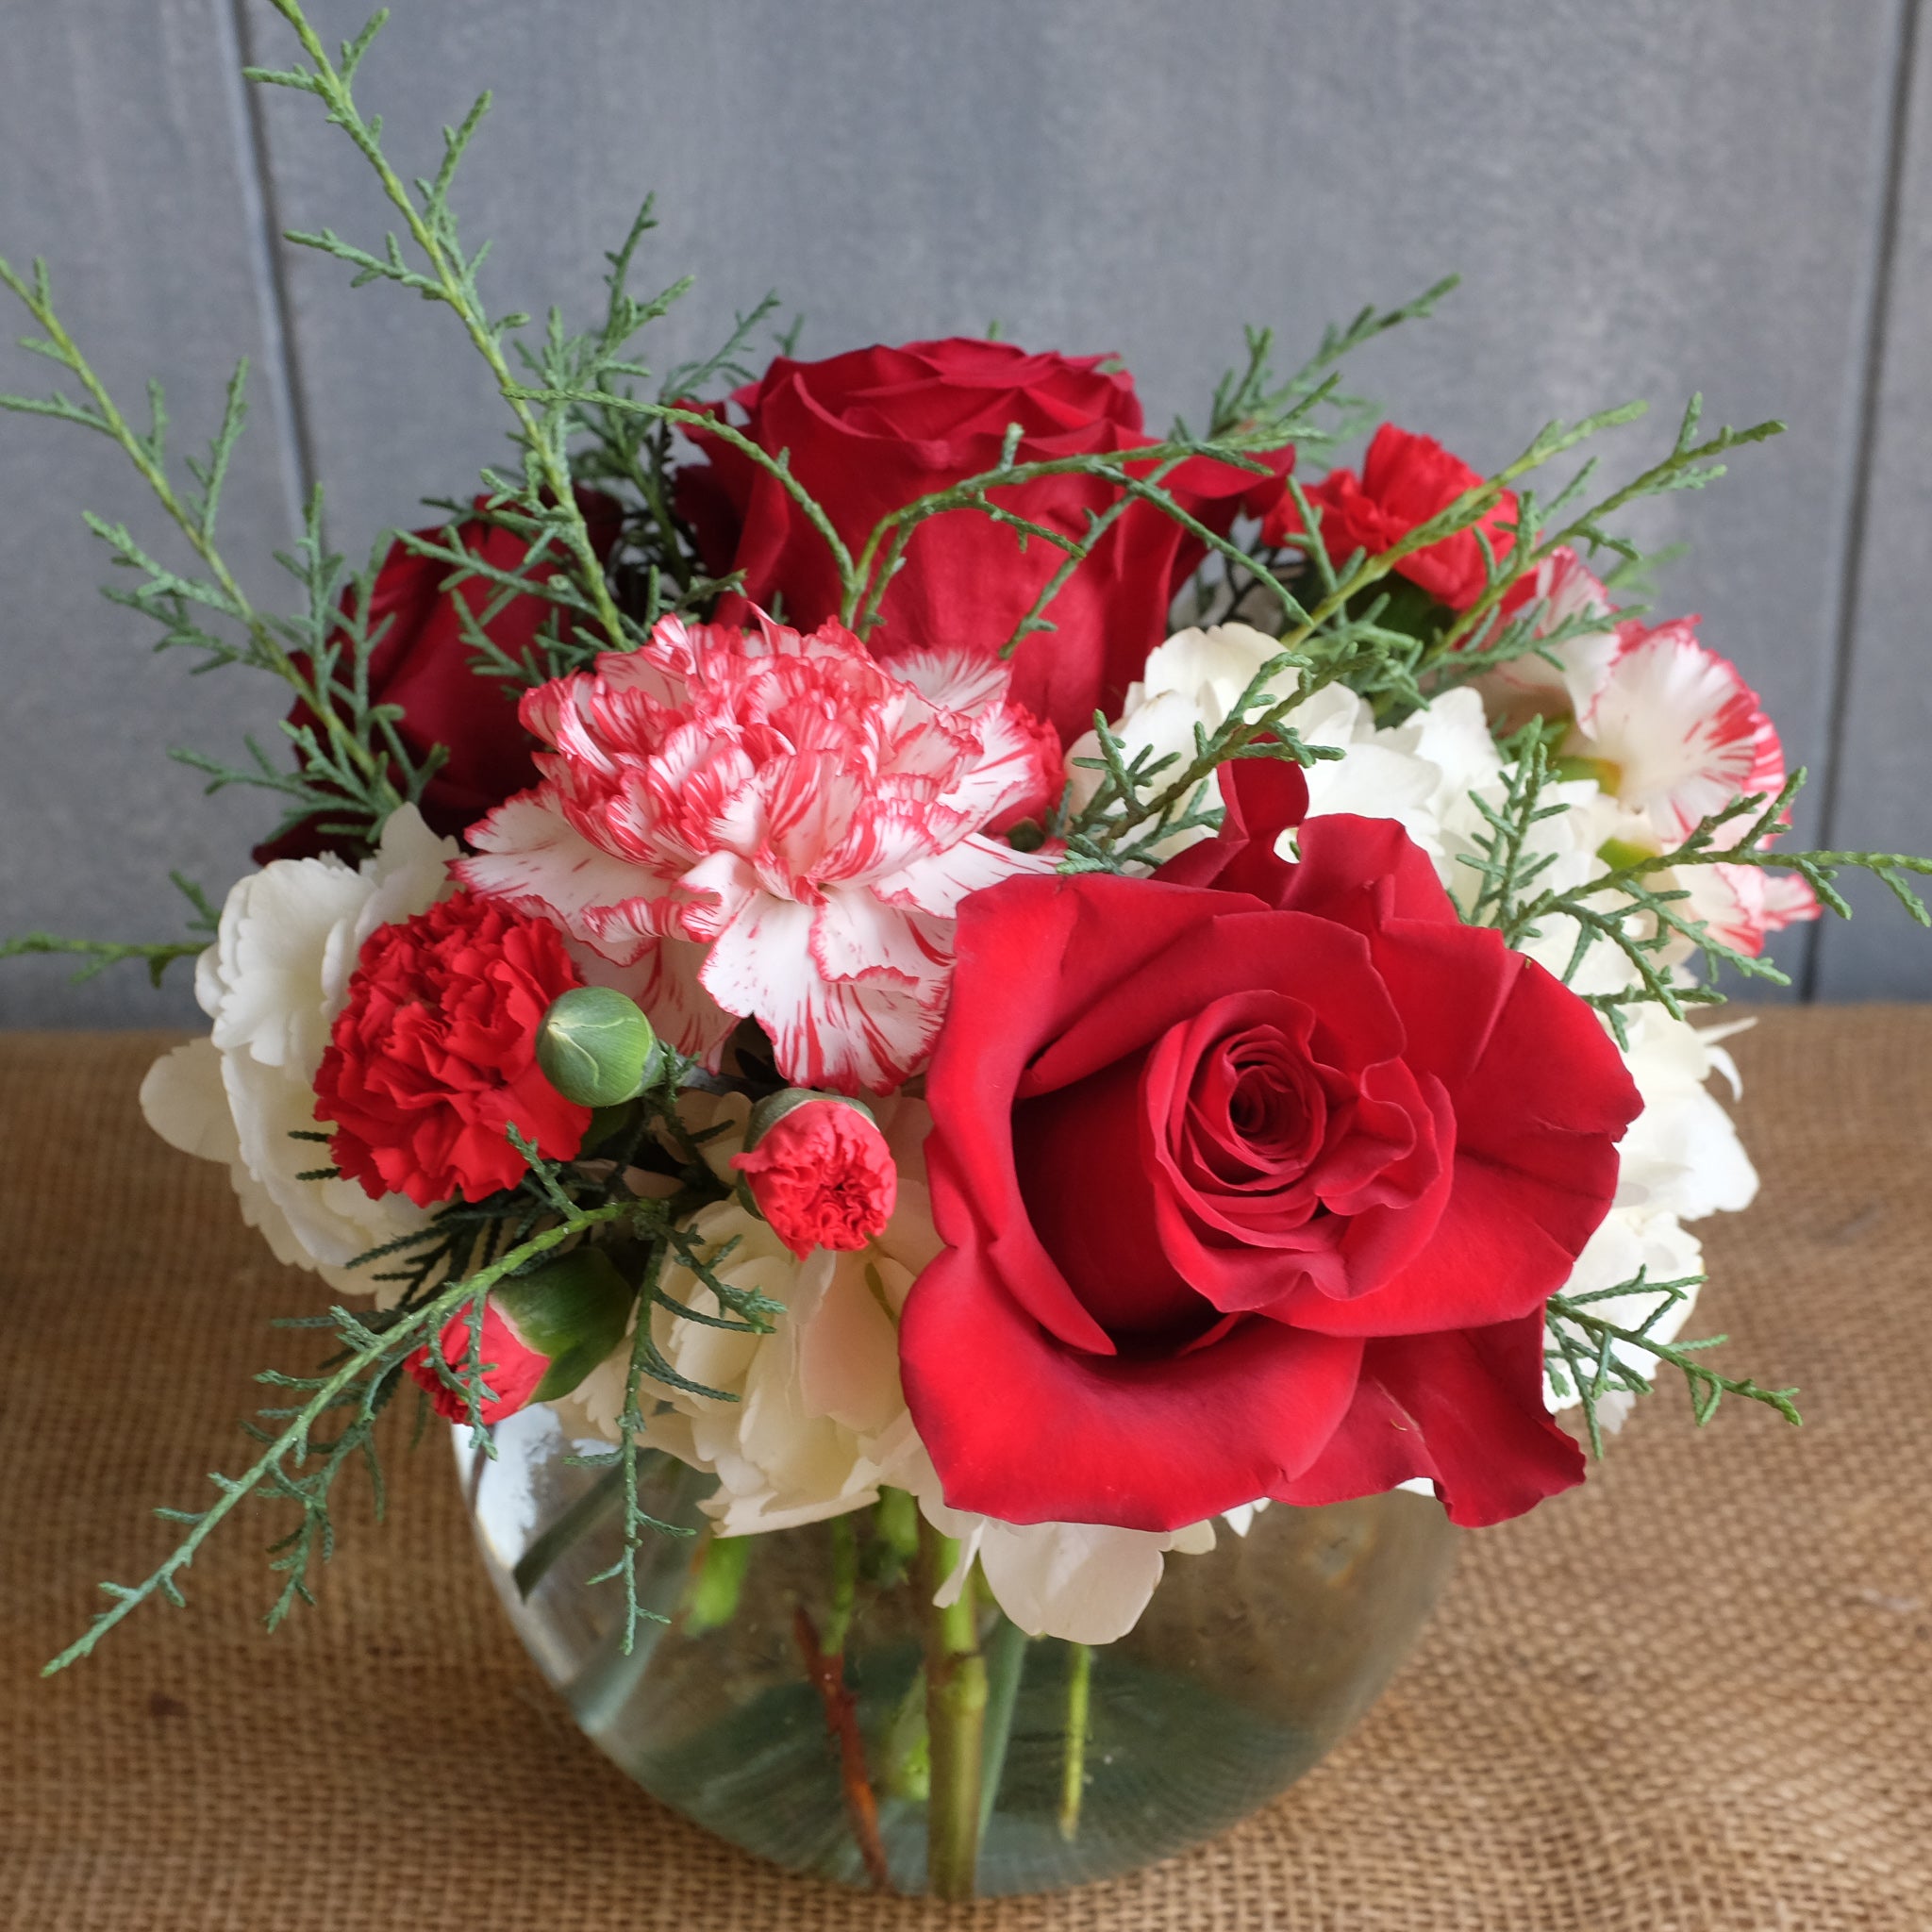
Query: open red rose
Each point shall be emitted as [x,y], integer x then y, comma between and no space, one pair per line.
[1406,481]
[1254,1181]
[434,1056]
[426,664]
[869,431]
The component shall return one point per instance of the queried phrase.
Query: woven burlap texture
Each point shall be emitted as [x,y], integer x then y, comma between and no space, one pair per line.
[1695,1694]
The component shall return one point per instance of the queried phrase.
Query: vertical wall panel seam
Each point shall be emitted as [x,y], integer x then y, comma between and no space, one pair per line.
[257,169]
[1871,396]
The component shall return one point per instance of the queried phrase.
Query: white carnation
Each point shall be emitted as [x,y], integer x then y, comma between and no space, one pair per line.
[273,983]
[819,1423]
[816,1421]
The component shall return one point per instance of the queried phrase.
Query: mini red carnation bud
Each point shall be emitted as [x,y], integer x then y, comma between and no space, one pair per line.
[818,1169]
[511,1369]
[543,1334]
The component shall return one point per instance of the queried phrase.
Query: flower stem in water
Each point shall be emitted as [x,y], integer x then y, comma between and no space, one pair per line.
[1006,1661]
[956,1699]
[1074,1764]
[824,1666]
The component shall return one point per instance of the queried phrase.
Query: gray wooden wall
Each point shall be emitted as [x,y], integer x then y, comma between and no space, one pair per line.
[1644,198]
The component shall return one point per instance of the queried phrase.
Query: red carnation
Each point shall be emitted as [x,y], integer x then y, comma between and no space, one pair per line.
[1255,1179]
[434,1058]
[822,1174]
[869,431]
[511,1369]
[1406,481]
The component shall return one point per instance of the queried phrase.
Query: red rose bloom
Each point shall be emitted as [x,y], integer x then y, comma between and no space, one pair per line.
[1253,1179]
[870,430]
[424,662]
[1406,481]
[823,1176]
[434,1058]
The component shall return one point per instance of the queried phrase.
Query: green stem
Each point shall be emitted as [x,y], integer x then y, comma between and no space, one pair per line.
[1074,1764]
[591,1509]
[844,1584]
[1005,1662]
[956,1699]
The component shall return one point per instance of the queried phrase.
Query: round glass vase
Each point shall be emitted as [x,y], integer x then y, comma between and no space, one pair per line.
[797,1693]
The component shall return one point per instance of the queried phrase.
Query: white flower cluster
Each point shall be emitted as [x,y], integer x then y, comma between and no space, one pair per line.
[273,983]
[820,1422]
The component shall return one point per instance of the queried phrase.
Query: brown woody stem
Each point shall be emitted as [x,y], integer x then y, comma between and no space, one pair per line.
[826,1671]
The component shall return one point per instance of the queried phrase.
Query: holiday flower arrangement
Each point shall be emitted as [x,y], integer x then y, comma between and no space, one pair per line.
[919,975]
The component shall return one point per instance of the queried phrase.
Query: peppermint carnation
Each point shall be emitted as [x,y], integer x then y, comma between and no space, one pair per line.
[823,1176]
[759,823]
[1669,731]
[433,1060]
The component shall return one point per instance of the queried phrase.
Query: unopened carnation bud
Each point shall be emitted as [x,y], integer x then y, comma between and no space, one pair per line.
[543,1334]
[818,1169]
[596,1047]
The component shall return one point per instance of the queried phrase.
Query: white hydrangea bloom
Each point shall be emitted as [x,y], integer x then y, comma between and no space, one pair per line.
[273,983]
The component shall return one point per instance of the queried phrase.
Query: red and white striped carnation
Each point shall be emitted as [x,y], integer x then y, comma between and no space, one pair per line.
[762,824]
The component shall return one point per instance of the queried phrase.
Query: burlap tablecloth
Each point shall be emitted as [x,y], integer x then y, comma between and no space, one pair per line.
[1695,1694]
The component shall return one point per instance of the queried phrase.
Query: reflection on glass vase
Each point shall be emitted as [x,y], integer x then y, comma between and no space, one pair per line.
[797,1693]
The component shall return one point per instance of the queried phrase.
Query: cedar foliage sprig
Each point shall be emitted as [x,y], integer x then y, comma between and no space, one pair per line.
[449,1269]
[349,760]
[443,271]
[360,1384]
[1637,906]
[1587,1354]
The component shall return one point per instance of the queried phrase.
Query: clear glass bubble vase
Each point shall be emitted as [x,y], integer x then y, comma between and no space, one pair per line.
[797,1693]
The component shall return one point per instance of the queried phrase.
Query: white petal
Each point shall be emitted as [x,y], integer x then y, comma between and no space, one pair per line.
[530,855]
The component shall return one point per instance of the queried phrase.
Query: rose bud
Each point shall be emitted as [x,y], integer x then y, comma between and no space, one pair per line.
[596,1048]
[543,1334]
[817,1168]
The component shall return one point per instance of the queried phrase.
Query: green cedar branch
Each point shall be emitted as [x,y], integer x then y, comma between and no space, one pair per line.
[452,277]
[370,1354]
[1582,1348]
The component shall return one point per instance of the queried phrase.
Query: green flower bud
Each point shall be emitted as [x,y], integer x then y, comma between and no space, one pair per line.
[775,1106]
[596,1048]
[573,1309]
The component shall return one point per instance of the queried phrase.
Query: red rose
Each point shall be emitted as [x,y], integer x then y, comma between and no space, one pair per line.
[822,1174]
[1254,1181]
[425,663]
[434,1058]
[1406,481]
[870,430]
